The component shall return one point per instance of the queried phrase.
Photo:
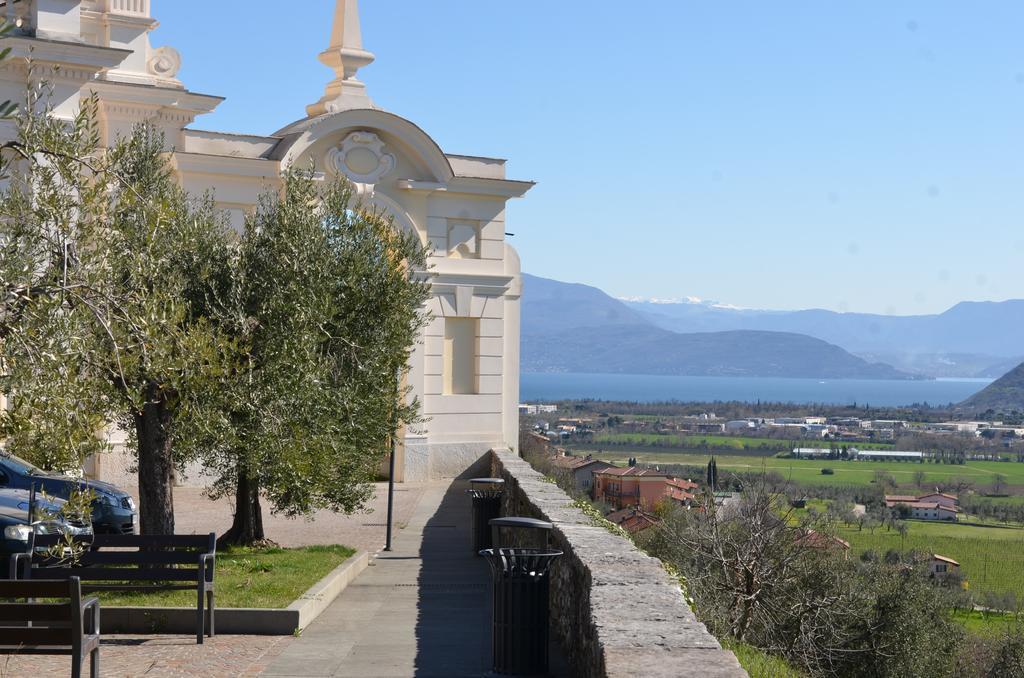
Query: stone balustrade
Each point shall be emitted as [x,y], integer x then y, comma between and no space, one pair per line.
[138,8]
[615,610]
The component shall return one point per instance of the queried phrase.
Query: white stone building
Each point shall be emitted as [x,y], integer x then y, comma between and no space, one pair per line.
[466,369]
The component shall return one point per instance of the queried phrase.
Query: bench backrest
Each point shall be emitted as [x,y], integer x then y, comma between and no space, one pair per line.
[115,557]
[53,624]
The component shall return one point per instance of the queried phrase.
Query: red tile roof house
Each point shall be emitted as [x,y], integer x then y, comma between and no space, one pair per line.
[683,492]
[632,519]
[943,565]
[625,487]
[640,487]
[582,470]
[932,506]
[818,540]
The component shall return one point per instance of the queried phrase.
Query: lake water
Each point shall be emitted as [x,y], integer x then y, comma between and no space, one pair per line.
[652,388]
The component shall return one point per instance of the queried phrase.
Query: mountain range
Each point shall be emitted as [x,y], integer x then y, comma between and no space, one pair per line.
[569,327]
[971,339]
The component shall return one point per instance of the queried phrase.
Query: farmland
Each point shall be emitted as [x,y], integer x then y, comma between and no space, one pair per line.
[846,473]
[991,558]
[684,442]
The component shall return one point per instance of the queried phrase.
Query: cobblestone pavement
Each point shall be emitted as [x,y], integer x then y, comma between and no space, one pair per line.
[234,656]
[195,513]
[122,656]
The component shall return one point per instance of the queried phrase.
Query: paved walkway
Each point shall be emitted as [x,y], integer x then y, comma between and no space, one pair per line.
[225,655]
[196,513]
[422,609]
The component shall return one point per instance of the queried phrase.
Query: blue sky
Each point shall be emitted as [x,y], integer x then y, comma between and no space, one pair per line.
[861,156]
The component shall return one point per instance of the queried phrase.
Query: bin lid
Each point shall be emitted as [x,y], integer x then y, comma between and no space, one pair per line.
[528,523]
[487,481]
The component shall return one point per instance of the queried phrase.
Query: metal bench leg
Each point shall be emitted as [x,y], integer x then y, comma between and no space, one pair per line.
[200,617]
[209,611]
[76,665]
[94,663]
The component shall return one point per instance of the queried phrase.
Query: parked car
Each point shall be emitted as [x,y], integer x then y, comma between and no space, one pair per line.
[16,526]
[113,510]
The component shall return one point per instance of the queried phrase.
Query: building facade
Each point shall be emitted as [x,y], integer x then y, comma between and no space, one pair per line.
[465,369]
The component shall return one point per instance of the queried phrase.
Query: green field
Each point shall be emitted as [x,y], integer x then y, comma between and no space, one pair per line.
[696,442]
[991,558]
[988,624]
[849,473]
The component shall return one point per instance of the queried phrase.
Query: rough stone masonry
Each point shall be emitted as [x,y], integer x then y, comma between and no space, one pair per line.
[616,611]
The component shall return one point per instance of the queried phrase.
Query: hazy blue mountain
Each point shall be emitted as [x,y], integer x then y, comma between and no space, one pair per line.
[985,331]
[554,305]
[642,349]
[1005,394]
[577,328]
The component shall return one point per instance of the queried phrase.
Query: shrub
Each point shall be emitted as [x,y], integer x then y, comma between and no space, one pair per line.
[827,472]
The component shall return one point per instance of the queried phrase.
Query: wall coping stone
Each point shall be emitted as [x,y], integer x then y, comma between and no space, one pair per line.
[615,609]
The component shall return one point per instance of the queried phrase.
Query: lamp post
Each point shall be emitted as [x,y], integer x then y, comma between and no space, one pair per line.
[391,462]
[391,492]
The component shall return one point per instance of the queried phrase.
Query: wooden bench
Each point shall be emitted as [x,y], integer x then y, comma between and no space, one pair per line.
[132,562]
[71,627]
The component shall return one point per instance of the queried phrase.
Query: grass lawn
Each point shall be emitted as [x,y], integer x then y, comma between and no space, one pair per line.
[987,624]
[761,665]
[271,578]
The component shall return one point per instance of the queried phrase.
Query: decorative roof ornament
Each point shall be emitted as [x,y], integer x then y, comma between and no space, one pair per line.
[345,56]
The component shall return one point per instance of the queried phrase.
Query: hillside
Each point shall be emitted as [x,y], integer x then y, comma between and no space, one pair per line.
[1005,394]
[577,328]
[631,349]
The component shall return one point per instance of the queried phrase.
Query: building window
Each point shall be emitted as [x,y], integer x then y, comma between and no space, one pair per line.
[460,356]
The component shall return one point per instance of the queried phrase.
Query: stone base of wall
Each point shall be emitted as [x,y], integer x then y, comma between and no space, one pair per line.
[616,611]
[436,461]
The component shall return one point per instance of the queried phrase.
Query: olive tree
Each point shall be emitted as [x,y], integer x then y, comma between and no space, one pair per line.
[325,303]
[106,265]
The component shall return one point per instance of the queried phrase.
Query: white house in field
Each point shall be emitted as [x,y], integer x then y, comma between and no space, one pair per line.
[466,369]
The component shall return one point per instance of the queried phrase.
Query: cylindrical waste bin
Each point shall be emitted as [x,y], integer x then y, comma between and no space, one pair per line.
[519,638]
[486,494]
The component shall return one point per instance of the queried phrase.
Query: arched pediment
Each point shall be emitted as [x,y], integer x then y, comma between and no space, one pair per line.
[308,139]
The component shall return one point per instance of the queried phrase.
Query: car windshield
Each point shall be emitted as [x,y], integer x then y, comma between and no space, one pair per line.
[19,465]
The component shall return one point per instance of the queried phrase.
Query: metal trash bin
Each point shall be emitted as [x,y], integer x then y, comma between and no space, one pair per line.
[519,637]
[486,494]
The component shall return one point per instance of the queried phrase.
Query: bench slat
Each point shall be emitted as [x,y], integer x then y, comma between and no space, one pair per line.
[37,635]
[120,586]
[34,612]
[119,573]
[36,588]
[139,558]
[194,541]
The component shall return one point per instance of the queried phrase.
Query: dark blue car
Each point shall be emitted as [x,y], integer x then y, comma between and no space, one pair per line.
[113,510]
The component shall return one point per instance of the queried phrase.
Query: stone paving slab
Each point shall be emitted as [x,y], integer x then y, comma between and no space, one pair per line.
[422,609]
[226,655]
[195,513]
[131,656]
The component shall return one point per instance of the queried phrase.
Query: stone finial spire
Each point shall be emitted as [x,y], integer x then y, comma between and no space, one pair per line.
[346,56]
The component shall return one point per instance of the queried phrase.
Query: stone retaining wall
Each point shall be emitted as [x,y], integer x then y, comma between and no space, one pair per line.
[615,610]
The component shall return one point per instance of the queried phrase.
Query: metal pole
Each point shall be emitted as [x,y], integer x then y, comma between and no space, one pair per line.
[391,492]
[391,462]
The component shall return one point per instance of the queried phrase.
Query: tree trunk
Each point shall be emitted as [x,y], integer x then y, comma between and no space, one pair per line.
[247,527]
[156,464]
